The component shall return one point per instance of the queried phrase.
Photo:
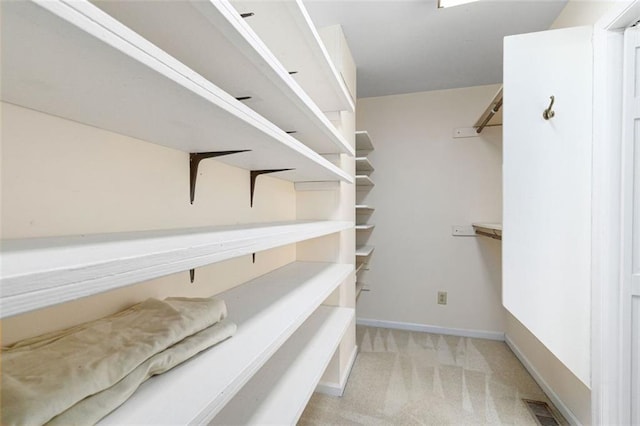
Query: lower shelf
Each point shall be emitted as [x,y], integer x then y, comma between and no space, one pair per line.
[278,393]
[267,311]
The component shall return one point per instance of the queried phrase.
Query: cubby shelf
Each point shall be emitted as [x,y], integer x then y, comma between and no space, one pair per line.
[242,65]
[363,142]
[363,209]
[278,393]
[364,251]
[42,272]
[286,28]
[122,83]
[267,310]
[364,227]
[364,182]
[363,165]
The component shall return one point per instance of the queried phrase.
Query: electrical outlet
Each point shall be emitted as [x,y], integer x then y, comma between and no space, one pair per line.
[442,298]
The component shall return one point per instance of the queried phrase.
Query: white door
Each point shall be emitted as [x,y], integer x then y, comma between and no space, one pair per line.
[631,197]
[547,190]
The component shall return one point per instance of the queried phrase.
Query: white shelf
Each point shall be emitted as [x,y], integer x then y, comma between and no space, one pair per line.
[364,251]
[267,311]
[233,57]
[279,392]
[363,209]
[363,165]
[364,227]
[287,29]
[491,230]
[363,141]
[364,181]
[122,83]
[42,272]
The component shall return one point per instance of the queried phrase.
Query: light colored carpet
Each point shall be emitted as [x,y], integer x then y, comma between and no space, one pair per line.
[412,378]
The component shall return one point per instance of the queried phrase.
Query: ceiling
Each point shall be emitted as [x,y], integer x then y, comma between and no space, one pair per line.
[404,46]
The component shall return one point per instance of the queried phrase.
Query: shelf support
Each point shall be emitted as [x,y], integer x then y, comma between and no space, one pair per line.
[254,175]
[194,161]
[253,257]
[192,275]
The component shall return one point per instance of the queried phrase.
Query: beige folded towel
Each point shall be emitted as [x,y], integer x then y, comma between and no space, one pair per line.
[91,409]
[45,376]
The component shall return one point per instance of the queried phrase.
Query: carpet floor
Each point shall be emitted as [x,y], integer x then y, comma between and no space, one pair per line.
[414,378]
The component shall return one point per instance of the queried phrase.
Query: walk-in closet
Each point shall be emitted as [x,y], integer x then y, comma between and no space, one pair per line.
[313,212]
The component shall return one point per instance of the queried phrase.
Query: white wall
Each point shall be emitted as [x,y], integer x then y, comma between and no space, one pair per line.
[575,395]
[584,12]
[425,182]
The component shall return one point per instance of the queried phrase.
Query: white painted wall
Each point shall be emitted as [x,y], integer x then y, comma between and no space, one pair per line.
[574,395]
[584,12]
[425,182]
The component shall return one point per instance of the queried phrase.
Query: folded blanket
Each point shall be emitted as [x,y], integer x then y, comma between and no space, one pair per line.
[45,376]
[93,408]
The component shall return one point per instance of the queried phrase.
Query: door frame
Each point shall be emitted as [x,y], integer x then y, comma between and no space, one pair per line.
[610,345]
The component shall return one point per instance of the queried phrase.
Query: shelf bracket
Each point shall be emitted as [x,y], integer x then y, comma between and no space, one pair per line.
[194,161]
[254,175]
[192,275]
[253,257]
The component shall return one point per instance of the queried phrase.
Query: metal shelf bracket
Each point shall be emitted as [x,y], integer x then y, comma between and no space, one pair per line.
[254,175]
[194,161]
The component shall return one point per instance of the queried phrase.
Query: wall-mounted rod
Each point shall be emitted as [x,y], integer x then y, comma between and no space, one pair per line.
[488,113]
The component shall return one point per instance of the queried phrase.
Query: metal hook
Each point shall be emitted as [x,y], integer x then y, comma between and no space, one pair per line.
[549,113]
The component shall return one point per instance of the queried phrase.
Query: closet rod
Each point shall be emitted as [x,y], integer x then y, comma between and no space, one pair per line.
[488,114]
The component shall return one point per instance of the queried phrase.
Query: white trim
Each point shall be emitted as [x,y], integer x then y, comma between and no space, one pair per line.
[606,234]
[609,379]
[621,16]
[564,410]
[478,334]
[337,389]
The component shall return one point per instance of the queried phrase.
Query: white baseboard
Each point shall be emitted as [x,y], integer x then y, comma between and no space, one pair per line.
[337,389]
[564,410]
[480,334]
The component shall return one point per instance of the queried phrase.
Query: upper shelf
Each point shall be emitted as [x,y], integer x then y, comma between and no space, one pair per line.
[41,272]
[267,310]
[492,115]
[286,28]
[491,230]
[120,82]
[235,59]
[363,141]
